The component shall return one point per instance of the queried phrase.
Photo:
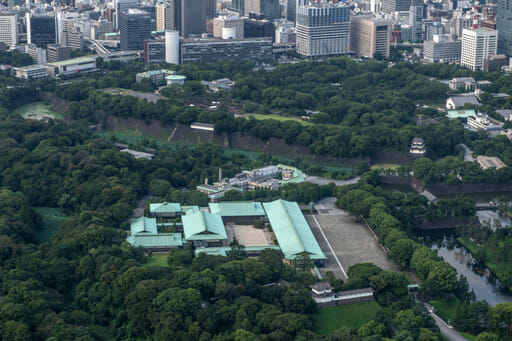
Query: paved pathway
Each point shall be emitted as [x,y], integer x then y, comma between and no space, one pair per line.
[449,333]
[468,153]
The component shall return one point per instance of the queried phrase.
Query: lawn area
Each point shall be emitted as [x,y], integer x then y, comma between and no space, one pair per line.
[446,309]
[385,166]
[51,220]
[279,118]
[37,110]
[157,259]
[351,316]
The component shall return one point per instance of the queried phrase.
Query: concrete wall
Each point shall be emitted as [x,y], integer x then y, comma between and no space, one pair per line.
[342,302]
[439,224]
[415,184]
[440,189]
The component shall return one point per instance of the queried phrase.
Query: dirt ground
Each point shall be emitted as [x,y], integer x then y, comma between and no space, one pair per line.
[248,235]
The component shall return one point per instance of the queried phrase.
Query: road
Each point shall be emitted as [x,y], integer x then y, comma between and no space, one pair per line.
[324,181]
[141,205]
[468,153]
[449,333]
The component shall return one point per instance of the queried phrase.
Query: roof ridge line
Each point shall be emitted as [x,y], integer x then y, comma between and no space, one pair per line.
[281,202]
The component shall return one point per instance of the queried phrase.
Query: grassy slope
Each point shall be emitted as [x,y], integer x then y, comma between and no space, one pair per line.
[351,316]
[158,259]
[446,309]
[51,220]
[279,118]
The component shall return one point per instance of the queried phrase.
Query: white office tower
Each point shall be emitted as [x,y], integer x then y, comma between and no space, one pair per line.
[9,29]
[477,45]
[375,6]
[222,22]
[172,47]
[60,26]
[323,29]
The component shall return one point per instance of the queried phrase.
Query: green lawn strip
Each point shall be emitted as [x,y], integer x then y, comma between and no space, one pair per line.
[352,316]
[157,259]
[468,337]
[496,268]
[278,118]
[51,220]
[385,166]
[446,309]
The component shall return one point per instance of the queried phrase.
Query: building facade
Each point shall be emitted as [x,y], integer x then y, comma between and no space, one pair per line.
[193,17]
[165,17]
[442,49]
[390,6]
[270,9]
[57,53]
[369,36]
[135,27]
[477,46]
[323,30]
[504,26]
[213,50]
[9,29]
[154,51]
[224,22]
[41,30]
[31,72]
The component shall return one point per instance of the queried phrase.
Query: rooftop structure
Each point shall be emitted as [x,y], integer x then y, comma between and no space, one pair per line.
[505,113]
[462,82]
[156,241]
[418,146]
[75,65]
[484,122]
[203,126]
[138,155]
[237,209]
[143,225]
[165,209]
[460,113]
[224,84]
[457,102]
[487,162]
[203,226]
[292,230]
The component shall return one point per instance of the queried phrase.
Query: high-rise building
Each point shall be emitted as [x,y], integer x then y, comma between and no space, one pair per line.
[238,5]
[504,27]
[121,6]
[416,21]
[291,10]
[323,29]
[477,45]
[14,3]
[209,51]
[134,28]
[442,49]
[270,9]
[172,47]
[41,29]
[193,17]
[369,36]
[57,53]
[154,51]
[211,10]
[390,6]
[164,17]
[9,29]
[228,22]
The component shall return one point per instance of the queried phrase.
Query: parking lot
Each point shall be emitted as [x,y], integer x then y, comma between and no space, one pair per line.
[351,242]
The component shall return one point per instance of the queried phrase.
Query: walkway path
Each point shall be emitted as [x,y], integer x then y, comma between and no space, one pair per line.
[468,153]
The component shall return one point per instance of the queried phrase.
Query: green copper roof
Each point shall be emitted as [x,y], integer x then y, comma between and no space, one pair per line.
[189,209]
[460,113]
[165,207]
[143,225]
[222,250]
[292,230]
[203,226]
[159,240]
[237,209]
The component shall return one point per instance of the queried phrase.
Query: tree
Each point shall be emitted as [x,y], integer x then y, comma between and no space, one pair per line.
[402,251]
[303,261]
[485,336]
[441,279]
[500,319]
[371,328]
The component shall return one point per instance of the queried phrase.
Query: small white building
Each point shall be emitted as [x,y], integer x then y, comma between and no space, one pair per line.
[457,102]
[31,72]
[462,82]
[175,79]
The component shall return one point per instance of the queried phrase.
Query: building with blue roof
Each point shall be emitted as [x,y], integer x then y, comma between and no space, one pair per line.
[144,233]
[292,230]
[244,211]
[204,229]
[165,209]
